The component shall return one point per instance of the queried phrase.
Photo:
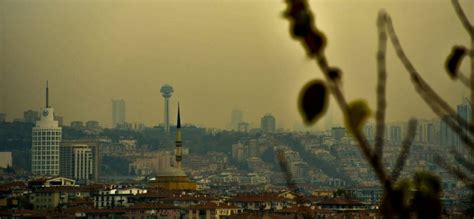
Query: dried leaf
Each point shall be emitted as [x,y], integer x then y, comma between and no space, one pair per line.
[313,101]
[454,60]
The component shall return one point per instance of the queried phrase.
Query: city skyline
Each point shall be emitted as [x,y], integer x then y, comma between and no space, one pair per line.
[89,63]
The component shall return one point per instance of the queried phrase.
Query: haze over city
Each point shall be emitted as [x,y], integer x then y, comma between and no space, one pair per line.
[218,56]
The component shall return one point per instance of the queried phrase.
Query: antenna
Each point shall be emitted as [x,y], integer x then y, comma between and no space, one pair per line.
[47,95]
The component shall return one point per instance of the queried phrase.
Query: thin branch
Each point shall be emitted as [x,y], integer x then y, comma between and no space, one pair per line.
[469,165]
[462,16]
[464,80]
[456,172]
[381,87]
[290,183]
[407,142]
[302,24]
[437,104]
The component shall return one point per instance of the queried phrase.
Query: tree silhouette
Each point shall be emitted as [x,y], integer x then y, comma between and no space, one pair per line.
[421,194]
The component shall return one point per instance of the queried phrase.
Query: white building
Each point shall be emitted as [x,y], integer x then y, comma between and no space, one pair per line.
[45,143]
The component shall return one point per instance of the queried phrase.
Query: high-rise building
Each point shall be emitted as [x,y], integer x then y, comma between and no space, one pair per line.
[46,137]
[60,120]
[369,131]
[79,159]
[118,112]
[77,125]
[267,123]
[395,134]
[30,116]
[338,133]
[447,136]
[464,111]
[166,91]
[243,127]
[92,125]
[236,118]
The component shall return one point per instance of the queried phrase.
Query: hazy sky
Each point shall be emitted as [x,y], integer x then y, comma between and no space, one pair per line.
[218,55]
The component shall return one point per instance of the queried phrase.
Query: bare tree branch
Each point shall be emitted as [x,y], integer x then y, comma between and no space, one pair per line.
[436,103]
[464,80]
[301,21]
[381,87]
[407,142]
[462,16]
[469,165]
[456,172]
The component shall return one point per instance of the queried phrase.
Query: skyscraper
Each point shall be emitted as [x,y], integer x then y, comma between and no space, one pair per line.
[267,123]
[30,116]
[395,133]
[236,117]
[464,111]
[166,91]
[46,137]
[118,112]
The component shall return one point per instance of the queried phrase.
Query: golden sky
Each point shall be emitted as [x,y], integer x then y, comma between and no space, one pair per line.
[218,55]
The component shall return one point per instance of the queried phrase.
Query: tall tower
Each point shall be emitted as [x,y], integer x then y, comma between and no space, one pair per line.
[166,91]
[46,136]
[118,112]
[179,144]
[236,117]
[267,123]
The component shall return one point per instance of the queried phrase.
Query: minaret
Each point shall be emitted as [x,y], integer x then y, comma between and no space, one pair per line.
[179,152]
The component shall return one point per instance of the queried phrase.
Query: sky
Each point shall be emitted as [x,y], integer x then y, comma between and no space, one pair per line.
[219,55]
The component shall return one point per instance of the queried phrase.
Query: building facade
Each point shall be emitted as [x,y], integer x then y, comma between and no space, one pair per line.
[267,123]
[79,160]
[46,136]
[118,112]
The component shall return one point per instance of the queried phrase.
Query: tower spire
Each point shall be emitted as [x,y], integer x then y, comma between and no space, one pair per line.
[47,95]
[179,152]
[179,119]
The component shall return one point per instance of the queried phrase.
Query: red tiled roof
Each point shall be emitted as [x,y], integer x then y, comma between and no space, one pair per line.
[152,206]
[296,209]
[340,201]
[257,198]
[211,205]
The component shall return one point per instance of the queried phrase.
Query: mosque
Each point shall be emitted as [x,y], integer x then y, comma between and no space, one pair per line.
[174,178]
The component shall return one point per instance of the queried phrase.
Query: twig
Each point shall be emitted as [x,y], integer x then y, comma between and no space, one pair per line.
[464,80]
[462,16]
[456,172]
[437,104]
[301,17]
[469,165]
[470,30]
[407,142]
[381,87]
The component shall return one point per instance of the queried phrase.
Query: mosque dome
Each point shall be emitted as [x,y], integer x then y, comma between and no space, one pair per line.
[172,171]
